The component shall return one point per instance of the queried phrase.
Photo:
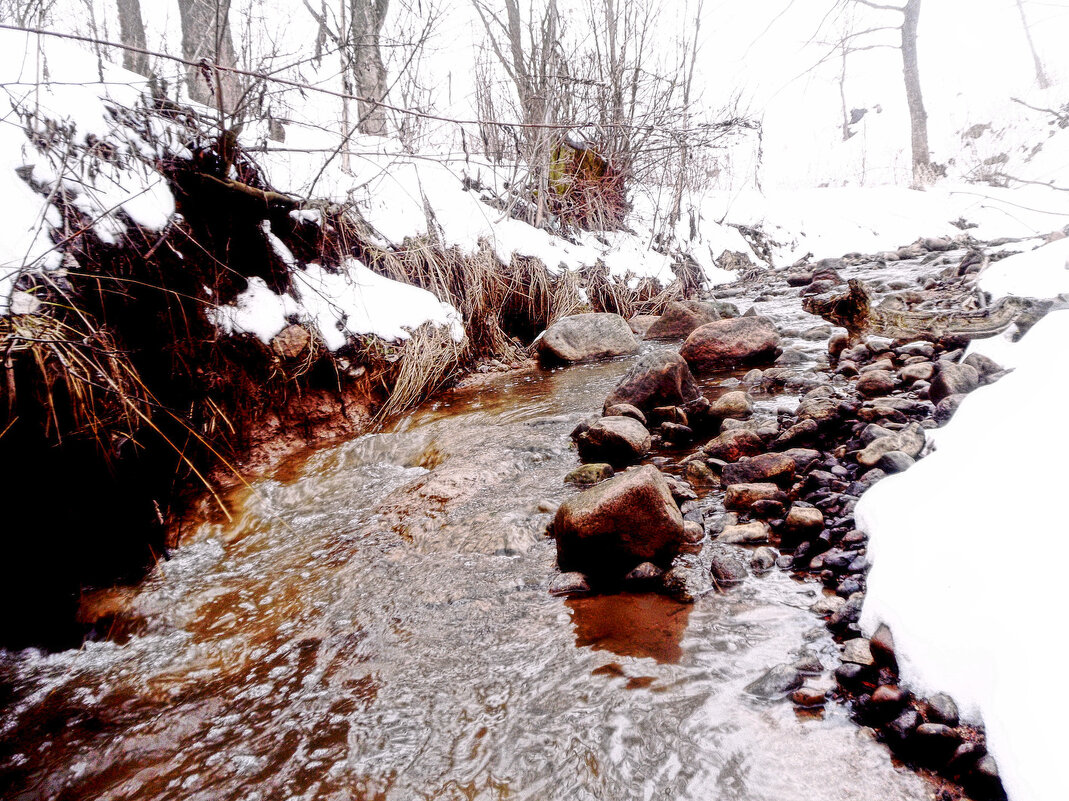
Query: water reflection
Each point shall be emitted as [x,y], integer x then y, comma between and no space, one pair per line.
[645,625]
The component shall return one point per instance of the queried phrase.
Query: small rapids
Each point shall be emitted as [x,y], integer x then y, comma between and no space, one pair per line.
[375,624]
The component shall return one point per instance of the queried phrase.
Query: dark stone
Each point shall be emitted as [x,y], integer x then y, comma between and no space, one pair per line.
[850,675]
[645,573]
[674,432]
[882,644]
[895,462]
[940,708]
[935,743]
[656,379]
[768,510]
[803,432]
[902,727]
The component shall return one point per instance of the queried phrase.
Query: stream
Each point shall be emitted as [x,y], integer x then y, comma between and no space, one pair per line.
[375,624]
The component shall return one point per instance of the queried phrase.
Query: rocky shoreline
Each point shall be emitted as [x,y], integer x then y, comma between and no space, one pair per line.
[723,491]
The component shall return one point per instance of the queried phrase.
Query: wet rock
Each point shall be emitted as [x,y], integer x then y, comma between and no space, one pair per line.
[680,490]
[572,583]
[589,474]
[817,332]
[876,383]
[745,533]
[701,475]
[850,675]
[791,357]
[763,559]
[776,683]
[737,405]
[903,726]
[645,573]
[686,581]
[582,337]
[618,440]
[804,458]
[774,468]
[727,343]
[743,496]
[609,529]
[857,650]
[888,700]
[626,410]
[681,318]
[734,444]
[965,758]
[656,379]
[292,342]
[940,708]
[809,697]
[693,531]
[828,605]
[727,565]
[837,344]
[952,379]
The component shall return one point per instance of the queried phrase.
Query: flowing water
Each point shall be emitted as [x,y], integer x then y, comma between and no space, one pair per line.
[375,624]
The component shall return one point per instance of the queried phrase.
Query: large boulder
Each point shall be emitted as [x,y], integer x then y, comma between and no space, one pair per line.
[656,379]
[607,531]
[582,337]
[618,440]
[728,343]
[680,318]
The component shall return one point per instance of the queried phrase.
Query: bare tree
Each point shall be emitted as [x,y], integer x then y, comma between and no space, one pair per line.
[206,38]
[132,33]
[365,29]
[1041,75]
[857,40]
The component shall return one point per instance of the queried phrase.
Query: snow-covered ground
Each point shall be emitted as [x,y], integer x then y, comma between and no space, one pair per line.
[964,545]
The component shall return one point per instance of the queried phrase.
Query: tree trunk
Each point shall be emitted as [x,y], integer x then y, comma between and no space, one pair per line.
[1041,76]
[132,33]
[918,118]
[365,26]
[206,35]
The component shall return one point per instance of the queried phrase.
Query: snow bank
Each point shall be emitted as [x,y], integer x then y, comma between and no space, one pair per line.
[1041,273]
[829,222]
[404,195]
[961,549]
[354,301]
[66,86]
